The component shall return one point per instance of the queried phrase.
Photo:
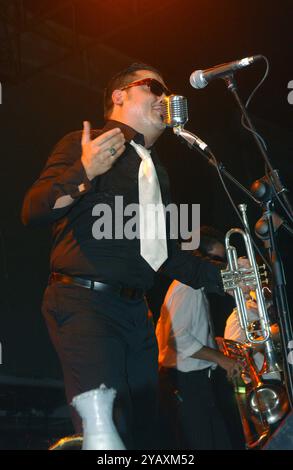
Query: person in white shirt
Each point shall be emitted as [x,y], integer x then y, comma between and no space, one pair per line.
[184,332]
[187,358]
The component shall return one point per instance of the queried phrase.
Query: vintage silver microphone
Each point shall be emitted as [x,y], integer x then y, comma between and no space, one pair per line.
[175,114]
[175,110]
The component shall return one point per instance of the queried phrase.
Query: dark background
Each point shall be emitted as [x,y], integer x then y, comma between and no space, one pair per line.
[52,80]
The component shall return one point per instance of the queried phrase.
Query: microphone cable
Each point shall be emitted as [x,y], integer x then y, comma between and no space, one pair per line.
[261,139]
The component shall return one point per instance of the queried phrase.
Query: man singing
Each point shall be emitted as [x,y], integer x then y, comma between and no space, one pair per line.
[94,305]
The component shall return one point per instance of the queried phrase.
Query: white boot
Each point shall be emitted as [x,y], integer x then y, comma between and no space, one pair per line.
[95,408]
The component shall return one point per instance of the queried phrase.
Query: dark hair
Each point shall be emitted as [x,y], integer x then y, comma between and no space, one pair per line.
[208,237]
[122,79]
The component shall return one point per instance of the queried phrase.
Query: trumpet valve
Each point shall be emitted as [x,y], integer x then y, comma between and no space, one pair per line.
[263,274]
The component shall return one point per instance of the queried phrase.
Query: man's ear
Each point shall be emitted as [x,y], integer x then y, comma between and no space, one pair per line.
[117,97]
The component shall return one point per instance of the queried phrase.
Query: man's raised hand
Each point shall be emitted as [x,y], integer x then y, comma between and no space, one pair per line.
[99,154]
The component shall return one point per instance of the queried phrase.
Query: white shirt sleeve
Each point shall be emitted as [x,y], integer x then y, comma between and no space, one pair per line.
[186,335]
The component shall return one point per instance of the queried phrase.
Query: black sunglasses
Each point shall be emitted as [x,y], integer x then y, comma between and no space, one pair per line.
[154,85]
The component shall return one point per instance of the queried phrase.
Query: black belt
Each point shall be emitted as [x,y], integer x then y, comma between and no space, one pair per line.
[126,292]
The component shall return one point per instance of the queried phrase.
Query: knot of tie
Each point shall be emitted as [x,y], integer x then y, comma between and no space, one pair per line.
[140,150]
[147,168]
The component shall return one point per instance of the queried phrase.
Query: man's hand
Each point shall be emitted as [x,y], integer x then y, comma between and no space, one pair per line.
[99,154]
[231,366]
[242,263]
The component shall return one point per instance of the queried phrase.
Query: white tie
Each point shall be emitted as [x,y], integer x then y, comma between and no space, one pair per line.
[152,224]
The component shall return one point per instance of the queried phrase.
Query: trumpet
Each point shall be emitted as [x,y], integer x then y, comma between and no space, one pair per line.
[265,403]
[234,278]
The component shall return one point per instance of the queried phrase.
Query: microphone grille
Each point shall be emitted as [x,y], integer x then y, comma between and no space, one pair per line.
[197,80]
[175,110]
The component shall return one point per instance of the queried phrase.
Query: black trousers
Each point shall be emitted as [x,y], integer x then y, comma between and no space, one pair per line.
[190,418]
[102,338]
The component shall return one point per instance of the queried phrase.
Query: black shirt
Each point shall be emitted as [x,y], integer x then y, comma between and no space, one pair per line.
[75,250]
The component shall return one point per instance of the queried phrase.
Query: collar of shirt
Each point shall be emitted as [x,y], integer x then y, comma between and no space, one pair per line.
[129,132]
[132,134]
